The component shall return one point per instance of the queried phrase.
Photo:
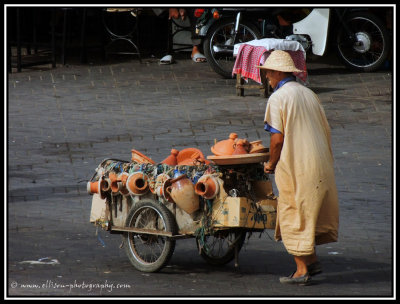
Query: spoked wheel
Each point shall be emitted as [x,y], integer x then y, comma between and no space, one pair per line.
[149,252]
[371,46]
[219,248]
[219,42]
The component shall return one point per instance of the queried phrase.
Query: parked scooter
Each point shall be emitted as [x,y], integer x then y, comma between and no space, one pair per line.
[361,39]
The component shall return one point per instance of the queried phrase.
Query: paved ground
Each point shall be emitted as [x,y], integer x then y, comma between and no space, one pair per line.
[63,122]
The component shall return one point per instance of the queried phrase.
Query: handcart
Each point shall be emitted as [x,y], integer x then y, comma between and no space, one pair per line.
[215,201]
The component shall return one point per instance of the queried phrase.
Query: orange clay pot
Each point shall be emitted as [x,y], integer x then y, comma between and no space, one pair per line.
[137,183]
[189,156]
[122,180]
[105,185]
[190,161]
[240,147]
[113,183]
[225,147]
[207,186]
[257,147]
[141,158]
[97,187]
[93,187]
[172,159]
[183,194]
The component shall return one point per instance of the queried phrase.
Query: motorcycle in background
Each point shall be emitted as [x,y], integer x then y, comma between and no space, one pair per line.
[359,36]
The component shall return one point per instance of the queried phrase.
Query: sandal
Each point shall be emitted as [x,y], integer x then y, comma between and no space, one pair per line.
[199,57]
[303,280]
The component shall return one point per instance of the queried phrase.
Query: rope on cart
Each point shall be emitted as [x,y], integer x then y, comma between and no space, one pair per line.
[205,228]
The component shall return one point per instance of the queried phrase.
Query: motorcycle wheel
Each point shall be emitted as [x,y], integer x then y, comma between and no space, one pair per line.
[218,249]
[146,252]
[219,41]
[372,46]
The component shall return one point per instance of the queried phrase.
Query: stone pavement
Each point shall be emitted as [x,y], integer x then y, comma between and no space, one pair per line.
[61,123]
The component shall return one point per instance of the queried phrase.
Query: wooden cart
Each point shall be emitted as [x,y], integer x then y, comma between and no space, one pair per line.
[151,220]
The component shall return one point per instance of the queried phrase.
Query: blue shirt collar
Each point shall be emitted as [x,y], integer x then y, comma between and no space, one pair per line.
[283,81]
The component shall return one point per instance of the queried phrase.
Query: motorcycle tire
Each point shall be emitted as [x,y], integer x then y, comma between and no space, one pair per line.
[220,34]
[373,45]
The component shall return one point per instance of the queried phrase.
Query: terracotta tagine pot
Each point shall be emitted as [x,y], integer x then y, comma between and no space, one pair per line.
[225,147]
[189,156]
[171,160]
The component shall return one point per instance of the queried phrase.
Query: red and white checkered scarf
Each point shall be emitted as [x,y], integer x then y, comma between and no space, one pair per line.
[250,56]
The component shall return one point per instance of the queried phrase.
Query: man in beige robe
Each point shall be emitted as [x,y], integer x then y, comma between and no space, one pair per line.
[301,158]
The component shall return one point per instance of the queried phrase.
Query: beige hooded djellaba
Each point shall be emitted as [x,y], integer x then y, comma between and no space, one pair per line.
[308,209]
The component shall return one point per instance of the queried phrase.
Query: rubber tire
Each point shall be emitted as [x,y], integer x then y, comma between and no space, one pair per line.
[229,256]
[206,43]
[386,39]
[169,246]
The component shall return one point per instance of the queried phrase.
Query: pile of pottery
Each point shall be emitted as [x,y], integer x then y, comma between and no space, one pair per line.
[179,189]
[237,146]
[131,179]
[185,157]
[183,187]
[136,183]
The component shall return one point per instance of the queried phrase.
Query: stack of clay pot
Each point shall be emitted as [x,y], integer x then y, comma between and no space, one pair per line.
[237,146]
[188,157]
[118,183]
[124,183]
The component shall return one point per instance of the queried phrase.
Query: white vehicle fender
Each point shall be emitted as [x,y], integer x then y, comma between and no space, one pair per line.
[315,25]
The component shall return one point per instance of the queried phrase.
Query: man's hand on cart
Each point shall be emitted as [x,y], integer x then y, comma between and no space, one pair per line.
[268,168]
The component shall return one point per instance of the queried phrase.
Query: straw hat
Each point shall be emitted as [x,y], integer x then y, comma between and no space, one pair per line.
[279,61]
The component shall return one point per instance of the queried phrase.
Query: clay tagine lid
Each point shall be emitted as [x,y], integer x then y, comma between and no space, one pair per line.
[225,147]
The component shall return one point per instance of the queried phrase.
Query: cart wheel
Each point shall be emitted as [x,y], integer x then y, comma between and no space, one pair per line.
[146,252]
[219,248]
